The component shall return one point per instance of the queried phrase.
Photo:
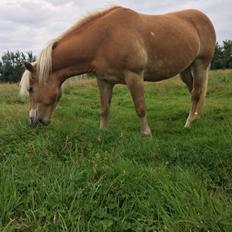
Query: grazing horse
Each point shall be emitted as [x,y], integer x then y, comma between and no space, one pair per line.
[122,46]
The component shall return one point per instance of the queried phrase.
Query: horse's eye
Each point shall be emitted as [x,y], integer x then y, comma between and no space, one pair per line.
[30,89]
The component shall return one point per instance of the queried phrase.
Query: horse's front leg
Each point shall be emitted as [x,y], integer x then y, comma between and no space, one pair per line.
[135,84]
[105,89]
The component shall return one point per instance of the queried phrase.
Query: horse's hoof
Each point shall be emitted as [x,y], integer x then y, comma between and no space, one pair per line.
[187,125]
[146,133]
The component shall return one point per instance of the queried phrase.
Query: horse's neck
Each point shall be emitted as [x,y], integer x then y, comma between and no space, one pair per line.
[72,56]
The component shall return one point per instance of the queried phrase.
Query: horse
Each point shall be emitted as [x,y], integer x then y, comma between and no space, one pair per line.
[122,46]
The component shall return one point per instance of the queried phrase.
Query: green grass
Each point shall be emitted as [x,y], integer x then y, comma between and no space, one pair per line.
[71,176]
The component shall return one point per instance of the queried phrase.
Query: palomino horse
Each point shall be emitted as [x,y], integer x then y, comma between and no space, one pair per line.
[122,46]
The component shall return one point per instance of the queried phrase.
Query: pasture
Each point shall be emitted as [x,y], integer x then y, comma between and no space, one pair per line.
[71,176]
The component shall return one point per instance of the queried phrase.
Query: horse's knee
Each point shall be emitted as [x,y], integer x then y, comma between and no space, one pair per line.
[141,112]
[104,113]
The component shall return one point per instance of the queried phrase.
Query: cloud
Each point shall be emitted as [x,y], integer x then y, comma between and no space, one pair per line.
[29,24]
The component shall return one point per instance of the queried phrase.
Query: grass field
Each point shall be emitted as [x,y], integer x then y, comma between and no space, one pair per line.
[71,176]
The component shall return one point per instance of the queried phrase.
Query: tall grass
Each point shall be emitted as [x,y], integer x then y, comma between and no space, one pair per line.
[71,176]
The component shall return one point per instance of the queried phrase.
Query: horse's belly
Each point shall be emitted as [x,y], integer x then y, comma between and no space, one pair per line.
[153,77]
[164,70]
[171,51]
[168,64]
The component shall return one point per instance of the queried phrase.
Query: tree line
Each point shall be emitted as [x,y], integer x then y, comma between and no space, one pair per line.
[11,63]
[222,56]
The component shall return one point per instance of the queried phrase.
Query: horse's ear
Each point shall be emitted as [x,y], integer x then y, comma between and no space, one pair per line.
[29,66]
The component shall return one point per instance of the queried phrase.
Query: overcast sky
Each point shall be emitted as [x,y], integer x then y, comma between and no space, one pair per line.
[28,24]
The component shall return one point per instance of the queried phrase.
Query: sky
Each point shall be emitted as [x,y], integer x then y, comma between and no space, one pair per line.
[27,25]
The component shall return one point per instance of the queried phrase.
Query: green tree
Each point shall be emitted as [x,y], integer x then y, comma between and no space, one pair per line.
[227,53]
[11,65]
[223,55]
[217,62]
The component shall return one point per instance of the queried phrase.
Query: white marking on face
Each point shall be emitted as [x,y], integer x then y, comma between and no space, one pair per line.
[33,113]
[152,33]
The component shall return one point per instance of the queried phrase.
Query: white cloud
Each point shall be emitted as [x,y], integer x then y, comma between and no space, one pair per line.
[29,24]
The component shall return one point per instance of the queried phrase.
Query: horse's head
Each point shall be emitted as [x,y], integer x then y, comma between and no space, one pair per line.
[43,95]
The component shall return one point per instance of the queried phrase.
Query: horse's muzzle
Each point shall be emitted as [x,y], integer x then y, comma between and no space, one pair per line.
[33,122]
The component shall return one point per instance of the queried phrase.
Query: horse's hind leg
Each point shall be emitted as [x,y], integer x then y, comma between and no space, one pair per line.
[187,78]
[200,79]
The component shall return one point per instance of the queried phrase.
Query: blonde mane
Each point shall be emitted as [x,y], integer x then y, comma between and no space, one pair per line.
[24,83]
[44,61]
